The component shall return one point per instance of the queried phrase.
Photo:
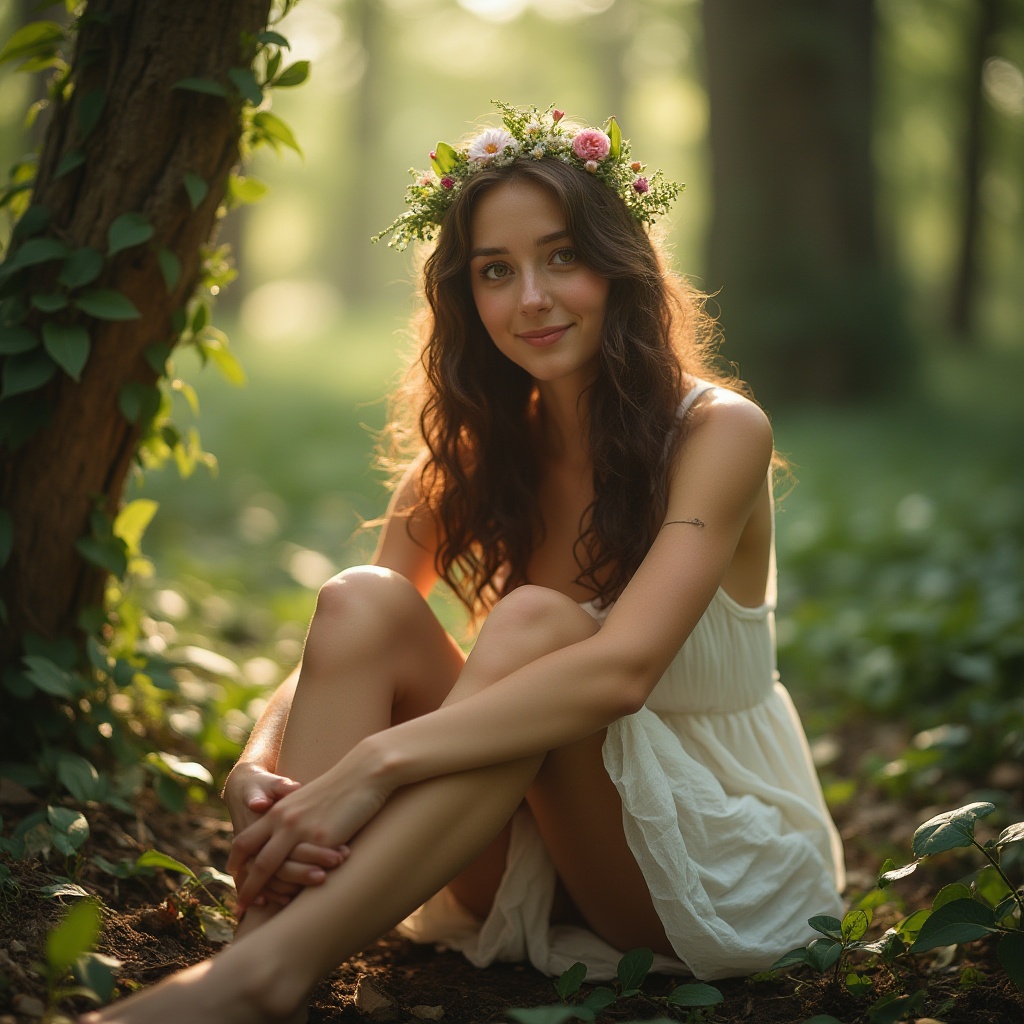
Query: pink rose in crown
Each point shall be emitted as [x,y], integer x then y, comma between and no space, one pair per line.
[591,144]
[557,115]
[641,185]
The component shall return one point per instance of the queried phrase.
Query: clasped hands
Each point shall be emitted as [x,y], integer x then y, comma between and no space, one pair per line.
[289,835]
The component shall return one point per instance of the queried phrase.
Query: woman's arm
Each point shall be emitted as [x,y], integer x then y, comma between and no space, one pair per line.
[720,479]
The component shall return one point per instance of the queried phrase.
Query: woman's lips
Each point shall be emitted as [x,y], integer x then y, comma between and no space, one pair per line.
[544,336]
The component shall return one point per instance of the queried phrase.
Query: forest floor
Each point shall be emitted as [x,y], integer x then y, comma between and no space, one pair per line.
[154,928]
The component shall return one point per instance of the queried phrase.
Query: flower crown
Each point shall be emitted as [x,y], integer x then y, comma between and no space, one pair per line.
[528,134]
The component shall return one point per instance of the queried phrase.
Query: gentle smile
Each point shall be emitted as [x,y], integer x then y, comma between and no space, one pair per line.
[544,335]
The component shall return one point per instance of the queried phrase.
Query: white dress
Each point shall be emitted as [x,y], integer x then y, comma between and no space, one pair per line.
[721,807]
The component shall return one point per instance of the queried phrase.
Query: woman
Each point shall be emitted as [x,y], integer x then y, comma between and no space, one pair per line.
[614,765]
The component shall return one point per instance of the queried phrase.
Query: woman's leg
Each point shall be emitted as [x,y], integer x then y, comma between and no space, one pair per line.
[424,836]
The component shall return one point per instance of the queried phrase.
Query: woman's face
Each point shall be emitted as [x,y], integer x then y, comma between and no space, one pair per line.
[541,306]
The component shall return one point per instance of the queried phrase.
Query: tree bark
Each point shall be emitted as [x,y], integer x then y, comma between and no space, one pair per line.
[148,137]
[808,309]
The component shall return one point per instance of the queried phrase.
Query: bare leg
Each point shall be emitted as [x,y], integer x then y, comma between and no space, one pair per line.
[425,835]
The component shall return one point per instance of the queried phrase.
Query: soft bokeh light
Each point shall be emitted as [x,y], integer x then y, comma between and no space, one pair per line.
[289,311]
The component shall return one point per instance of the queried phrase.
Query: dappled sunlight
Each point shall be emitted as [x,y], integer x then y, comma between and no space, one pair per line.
[289,312]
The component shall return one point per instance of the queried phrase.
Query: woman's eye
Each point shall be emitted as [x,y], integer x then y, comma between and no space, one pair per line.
[564,257]
[495,271]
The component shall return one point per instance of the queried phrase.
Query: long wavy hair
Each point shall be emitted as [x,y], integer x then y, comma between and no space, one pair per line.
[479,478]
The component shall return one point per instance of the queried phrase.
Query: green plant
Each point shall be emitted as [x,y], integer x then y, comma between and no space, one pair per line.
[631,973]
[991,906]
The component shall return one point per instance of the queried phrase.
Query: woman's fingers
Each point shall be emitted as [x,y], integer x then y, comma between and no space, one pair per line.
[321,856]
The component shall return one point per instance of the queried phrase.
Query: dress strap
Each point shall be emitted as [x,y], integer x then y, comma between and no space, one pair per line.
[700,388]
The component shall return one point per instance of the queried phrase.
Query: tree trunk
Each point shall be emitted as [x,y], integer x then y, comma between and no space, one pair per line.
[148,137]
[965,279]
[807,308]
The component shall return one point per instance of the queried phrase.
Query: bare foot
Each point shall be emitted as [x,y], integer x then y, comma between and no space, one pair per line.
[202,994]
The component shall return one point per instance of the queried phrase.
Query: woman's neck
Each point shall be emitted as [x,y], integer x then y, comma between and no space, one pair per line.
[562,430]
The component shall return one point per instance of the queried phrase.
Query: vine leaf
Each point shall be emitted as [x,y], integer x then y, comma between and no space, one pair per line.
[170,268]
[196,188]
[294,74]
[37,39]
[127,231]
[16,339]
[49,302]
[82,267]
[953,923]
[245,82]
[106,304]
[276,38]
[34,252]
[949,830]
[68,162]
[203,85]
[90,110]
[68,345]
[26,371]
[275,130]
[49,677]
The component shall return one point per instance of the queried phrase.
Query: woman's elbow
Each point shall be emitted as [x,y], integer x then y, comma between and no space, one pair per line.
[632,686]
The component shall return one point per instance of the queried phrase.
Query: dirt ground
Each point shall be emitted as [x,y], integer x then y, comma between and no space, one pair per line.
[153,928]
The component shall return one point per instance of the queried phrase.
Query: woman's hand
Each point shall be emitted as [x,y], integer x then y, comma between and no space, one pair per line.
[323,814]
[249,792]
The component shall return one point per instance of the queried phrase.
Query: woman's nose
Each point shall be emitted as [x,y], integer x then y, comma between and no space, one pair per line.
[533,296]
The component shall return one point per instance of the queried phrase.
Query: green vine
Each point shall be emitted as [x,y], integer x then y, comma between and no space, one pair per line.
[88,718]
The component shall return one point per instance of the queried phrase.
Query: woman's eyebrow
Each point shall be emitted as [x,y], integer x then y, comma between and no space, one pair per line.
[498,251]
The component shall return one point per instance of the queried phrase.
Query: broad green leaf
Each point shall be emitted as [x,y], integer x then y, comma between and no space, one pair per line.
[122,869]
[615,136]
[830,927]
[203,85]
[75,935]
[79,776]
[138,402]
[890,873]
[34,221]
[69,822]
[891,1008]
[170,268]
[180,767]
[95,973]
[444,158]
[107,304]
[275,129]
[790,959]
[823,953]
[49,302]
[155,859]
[68,345]
[35,39]
[245,82]
[569,982]
[855,925]
[196,188]
[1011,955]
[89,110]
[215,349]
[294,74]
[156,357]
[948,893]
[858,984]
[910,927]
[216,927]
[131,522]
[82,267]
[1011,834]
[49,677]
[16,339]
[127,231]
[68,162]
[267,36]
[211,874]
[6,536]
[990,886]
[247,189]
[633,968]
[949,830]
[36,251]
[953,923]
[696,994]
[601,998]
[27,371]
[108,554]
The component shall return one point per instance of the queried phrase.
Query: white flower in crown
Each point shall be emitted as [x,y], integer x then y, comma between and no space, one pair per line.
[490,143]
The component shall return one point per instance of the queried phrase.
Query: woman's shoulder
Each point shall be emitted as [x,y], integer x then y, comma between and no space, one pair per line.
[710,408]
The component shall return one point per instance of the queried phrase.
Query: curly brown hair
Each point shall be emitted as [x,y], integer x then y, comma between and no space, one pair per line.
[480,475]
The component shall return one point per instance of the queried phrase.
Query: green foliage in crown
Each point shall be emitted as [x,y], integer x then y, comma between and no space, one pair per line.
[528,134]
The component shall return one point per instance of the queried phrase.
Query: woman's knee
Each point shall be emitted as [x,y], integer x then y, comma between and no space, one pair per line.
[529,623]
[363,607]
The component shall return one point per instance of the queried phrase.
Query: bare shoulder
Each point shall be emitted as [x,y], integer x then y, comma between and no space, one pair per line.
[723,419]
